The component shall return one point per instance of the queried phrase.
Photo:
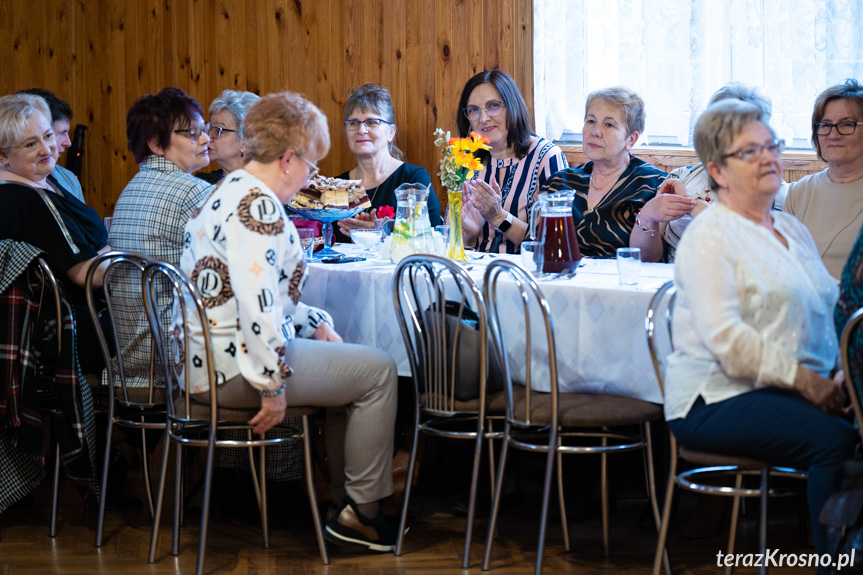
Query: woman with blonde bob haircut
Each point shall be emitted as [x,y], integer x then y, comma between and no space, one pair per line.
[755,348]
[273,350]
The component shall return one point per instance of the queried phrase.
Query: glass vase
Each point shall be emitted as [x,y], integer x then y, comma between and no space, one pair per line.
[455,247]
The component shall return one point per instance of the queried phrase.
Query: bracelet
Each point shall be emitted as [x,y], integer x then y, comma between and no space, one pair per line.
[644,229]
[273,392]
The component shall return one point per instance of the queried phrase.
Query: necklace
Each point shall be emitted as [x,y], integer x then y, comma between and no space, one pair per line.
[386,173]
[611,182]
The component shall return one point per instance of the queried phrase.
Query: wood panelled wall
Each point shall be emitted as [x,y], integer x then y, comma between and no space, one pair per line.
[101,55]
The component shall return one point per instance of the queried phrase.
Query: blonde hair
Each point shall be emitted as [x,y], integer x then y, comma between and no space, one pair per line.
[285,121]
[15,113]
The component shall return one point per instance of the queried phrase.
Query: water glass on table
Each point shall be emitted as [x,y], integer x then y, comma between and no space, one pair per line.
[532,256]
[307,241]
[108,220]
[628,265]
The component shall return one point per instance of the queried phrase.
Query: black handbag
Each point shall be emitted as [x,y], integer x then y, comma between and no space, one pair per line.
[467,357]
[844,520]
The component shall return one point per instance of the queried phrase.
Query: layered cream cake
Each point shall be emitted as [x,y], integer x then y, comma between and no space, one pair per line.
[331,194]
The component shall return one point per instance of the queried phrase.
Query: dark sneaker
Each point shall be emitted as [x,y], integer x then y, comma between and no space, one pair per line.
[349,528]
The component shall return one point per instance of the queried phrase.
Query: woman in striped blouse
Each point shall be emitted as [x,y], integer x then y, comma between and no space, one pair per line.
[497,205]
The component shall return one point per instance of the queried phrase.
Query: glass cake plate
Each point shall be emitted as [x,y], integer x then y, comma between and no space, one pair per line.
[327,217]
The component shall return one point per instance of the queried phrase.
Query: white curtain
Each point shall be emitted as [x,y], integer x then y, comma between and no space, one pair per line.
[677,53]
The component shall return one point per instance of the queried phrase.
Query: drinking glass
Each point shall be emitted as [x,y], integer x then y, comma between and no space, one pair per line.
[444,231]
[532,256]
[108,220]
[369,239]
[307,241]
[628,265]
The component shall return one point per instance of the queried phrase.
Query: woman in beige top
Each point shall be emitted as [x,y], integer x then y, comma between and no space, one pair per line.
[830,203]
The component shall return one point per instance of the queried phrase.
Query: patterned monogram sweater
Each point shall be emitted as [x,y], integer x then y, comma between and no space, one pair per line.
[244,256]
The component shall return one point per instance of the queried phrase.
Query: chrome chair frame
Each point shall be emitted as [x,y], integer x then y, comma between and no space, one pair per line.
[146,410]
[181,428]
[523,433]
[692,480]
[49,278]
[844,347]
[420,281]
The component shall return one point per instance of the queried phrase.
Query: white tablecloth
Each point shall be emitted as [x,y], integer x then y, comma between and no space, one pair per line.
[599,325]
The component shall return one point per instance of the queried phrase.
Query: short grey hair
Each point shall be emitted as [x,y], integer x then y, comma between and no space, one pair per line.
[626,100]
[237,103]
[15,113]
[751,94]
[718,126]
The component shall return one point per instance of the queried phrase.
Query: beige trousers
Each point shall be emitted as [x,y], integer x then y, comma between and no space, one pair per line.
[358,386]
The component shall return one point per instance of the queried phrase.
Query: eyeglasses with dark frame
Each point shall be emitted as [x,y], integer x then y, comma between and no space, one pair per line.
[844,128]
[315,170]
[752,152]
[371,124]
[195,133]
[215,132]
[492,108]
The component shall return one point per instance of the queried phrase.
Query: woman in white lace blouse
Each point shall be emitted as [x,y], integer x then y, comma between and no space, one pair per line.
[751,373]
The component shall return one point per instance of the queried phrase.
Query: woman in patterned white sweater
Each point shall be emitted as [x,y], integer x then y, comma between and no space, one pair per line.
[271,350]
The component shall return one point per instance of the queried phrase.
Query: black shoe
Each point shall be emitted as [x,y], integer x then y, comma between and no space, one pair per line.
[349,528]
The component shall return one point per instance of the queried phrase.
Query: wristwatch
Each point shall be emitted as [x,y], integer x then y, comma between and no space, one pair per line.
[505,224]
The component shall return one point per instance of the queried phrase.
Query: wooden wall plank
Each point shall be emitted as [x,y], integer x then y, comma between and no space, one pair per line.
[114,51]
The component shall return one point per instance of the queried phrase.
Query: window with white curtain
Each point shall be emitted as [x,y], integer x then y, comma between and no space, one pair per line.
[676,53]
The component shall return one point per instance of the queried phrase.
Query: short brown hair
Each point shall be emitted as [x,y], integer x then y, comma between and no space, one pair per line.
[629,103]
[375,99]
[851,90]
[285,121]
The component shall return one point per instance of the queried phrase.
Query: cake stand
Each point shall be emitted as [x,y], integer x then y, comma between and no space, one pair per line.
[326,217]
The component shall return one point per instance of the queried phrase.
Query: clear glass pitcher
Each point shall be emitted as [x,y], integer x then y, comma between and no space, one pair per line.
[412,232]
[557,230]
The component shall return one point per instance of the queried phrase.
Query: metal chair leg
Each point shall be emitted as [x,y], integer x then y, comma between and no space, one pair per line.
[179,500]
[265,524]
[310,488]
[735,514]
[145,469]
[666,511]
[762,528]
[205,505]
[546,487]
[604,490]
[103,494]
[651,489]
[55,487]
[160,497]
[471,504]
[564,522]
[411,463]
[495,504]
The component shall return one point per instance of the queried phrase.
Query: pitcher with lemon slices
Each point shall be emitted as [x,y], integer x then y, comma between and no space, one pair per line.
[412,233]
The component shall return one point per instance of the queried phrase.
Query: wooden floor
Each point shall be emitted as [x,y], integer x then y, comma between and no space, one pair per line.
[433,546]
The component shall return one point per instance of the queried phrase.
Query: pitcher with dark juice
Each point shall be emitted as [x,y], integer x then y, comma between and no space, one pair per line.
[557,229]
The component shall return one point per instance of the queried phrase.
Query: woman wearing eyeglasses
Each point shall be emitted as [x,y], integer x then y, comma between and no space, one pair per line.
[755,346]
[496,209]
[227,147]
[168,138]
[614,185]
[830,203]
[370,127]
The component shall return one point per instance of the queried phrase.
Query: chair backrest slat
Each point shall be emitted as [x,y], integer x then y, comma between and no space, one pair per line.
[533,305]
[187,296]
[851,350]
[49,278]
[435,301]
[657,326]
[121,286]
